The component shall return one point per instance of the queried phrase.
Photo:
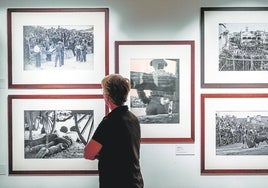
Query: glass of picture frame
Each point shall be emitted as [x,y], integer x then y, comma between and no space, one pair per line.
[57,47]
[47,133]
[234,133]
[162,99]
[234,47]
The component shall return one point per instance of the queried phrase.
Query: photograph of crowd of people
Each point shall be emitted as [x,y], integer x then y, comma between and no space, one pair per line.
[56,133]
[243,47]
[62,46]
[241,133]
[155,90]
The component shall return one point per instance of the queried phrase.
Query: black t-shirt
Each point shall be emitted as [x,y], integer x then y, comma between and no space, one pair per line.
[119,135]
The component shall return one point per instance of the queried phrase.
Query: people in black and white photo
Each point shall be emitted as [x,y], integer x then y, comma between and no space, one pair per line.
[155,90]
[61,45]
[238,134]
[59,58]
[37,54]
[243,47]
[56,133]
[156,102]
[78,51]
[83,52]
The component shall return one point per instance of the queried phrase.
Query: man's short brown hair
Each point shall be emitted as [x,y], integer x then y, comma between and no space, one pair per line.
[117,87]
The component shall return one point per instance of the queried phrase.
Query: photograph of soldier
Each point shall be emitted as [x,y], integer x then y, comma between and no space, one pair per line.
[155,90]
[56,133]
[37,54]
[243,47]
[55,46]
[59,57]
[241,133]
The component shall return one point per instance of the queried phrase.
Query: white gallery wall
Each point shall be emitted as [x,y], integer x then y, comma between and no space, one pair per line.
[133,20]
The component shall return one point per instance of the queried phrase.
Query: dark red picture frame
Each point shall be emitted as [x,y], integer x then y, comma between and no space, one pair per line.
[14,75]
[222,165]
[16,158]
[190,76]
[211,77]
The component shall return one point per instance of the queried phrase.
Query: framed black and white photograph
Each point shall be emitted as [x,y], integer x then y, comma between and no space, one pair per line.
[234,47]
[162,87]
[48,133]
[234,133]
[57,48]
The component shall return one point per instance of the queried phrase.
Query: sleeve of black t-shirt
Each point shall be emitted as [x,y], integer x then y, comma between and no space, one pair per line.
[100,134]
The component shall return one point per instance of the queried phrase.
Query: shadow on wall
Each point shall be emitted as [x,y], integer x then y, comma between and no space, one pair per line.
[152,18]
